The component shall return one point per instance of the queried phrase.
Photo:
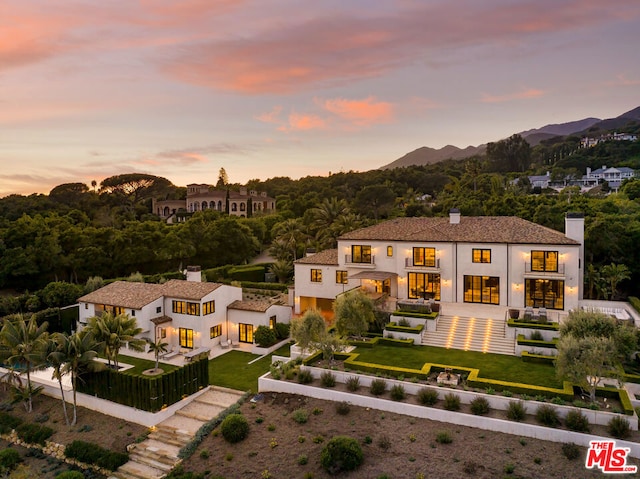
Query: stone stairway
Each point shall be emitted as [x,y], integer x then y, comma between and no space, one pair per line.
[470,334]
[154,457]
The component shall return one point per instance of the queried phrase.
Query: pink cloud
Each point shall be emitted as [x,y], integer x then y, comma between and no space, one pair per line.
[520,95]
[302,122]
[364,112]
[334,49]
[272,116]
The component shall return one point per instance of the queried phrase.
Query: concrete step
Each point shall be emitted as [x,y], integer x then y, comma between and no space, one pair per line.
[198,413]
[152,460]
[135,470]
[146,452]
[171,439]
[184,424]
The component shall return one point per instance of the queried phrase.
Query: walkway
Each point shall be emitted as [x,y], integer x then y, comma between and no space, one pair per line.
[154,457]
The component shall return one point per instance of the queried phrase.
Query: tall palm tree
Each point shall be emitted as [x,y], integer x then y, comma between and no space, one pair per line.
[113,332]
[328,211]
[78,353]
[23,344]
[282,269]
[291,232]
[614,274]
[157,348]
[56,358]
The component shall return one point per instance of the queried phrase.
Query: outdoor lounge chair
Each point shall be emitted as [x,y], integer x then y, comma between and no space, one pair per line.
[173,353]
[528,313]
[542,315]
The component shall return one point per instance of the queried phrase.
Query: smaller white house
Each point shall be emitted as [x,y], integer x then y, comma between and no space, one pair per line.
[185,314]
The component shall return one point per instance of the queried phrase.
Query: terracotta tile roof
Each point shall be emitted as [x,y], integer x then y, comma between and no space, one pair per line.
[136,295]
[327,257]
[126,294]
[179,288]
[471,229]
[257,305]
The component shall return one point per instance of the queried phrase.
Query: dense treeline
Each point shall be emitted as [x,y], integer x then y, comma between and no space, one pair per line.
[77,232]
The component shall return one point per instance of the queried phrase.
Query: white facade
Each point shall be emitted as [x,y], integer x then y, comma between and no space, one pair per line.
[501,273]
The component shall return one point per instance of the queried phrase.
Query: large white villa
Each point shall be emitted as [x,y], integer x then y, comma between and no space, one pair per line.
[499,261]
[186,314]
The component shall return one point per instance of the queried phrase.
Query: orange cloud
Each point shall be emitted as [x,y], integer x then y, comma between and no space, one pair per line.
[360,112]
[521,95]
[272,116]
[302,122]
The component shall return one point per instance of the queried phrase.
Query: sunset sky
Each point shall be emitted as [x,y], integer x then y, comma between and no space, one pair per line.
[264,88]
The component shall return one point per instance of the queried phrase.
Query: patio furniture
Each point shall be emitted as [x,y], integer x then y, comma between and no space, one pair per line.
[170,354]
[542,315]
[190,356]
[528,313]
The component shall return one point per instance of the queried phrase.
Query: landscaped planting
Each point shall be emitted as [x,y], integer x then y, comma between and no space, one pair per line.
[342,453]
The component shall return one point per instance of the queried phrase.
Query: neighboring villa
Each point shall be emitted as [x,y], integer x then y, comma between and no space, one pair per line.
[186,314]
[614,176]
[504,261]
[588,142]
[205,197]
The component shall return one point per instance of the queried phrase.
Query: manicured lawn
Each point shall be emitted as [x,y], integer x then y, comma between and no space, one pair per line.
[140,365]
[232,369]
[491,366]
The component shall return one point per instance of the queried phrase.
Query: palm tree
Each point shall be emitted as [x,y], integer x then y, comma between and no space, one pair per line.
[56,359]
[157,348]
[282,269]
[113,332]
[23,344]
[328,211]
[291,233]
[614,274]
[78,353]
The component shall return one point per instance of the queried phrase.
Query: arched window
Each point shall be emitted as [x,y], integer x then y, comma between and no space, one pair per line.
[234,207]
[204,205]
[166,211]
[196,206]
[242,206]
[212,205]
[220,205]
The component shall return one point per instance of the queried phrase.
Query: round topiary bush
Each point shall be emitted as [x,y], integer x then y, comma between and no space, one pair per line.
[342,453]
[234,428]
[265,337]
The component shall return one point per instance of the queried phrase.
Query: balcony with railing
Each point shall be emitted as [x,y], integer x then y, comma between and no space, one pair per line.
[408,263]
[530,271]
[360,262]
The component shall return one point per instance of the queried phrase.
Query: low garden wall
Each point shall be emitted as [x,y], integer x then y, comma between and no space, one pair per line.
[267,384]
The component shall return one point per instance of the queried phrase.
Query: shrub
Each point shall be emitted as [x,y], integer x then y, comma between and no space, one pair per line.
[451,402]
[234,428]
[378,387]
[300,416]
[9,459]
[327,379]
[341,453]
[509,468]
[8,422]
[353,383]
[70,475]
[282,330]
[384,442]
[90,453]
[619,427]
[516,411]
[427,397]
[570,451]
[547,415]
[305,377]
[397,392]
[343,408]
[479,406]
[536,335]
[303,459]
[34,433]
[443,437]
[265,336]
[576,421]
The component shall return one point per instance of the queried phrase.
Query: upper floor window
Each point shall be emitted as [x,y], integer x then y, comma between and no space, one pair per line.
[341,277]
[361,253]
[389,250]
[209,307]
[215,331]
[316,276]
[544,261]
[184,307]
[481,255]
[424,257]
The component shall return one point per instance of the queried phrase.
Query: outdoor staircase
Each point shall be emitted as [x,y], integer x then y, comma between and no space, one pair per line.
[470,334]
[154,457]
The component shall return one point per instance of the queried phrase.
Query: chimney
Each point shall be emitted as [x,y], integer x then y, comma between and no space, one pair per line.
[310,252]
[574,229]
[454,216]
[588,172]
[194,274]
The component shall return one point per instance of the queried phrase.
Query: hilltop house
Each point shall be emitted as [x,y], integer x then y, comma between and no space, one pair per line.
[202,197]
[504,261]
[185,314]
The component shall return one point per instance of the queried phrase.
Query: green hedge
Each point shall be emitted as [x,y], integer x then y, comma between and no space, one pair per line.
[149,393]
[632,378]
[635,302]
[537,358]
[512,323]
[90,453]
[409,314]
[540,343]
[247,273]
[32,433]
[404,329]
[381,340]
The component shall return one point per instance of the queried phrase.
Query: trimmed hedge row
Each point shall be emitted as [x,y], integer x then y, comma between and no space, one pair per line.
[540,343]
[149,393]
[410,314]
[393,326]
[512,323]
[541,358]
[381,340]
[90,453]
[635,302]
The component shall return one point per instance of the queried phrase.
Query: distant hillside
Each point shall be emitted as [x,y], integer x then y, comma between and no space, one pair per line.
[427,156]
[587,126]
